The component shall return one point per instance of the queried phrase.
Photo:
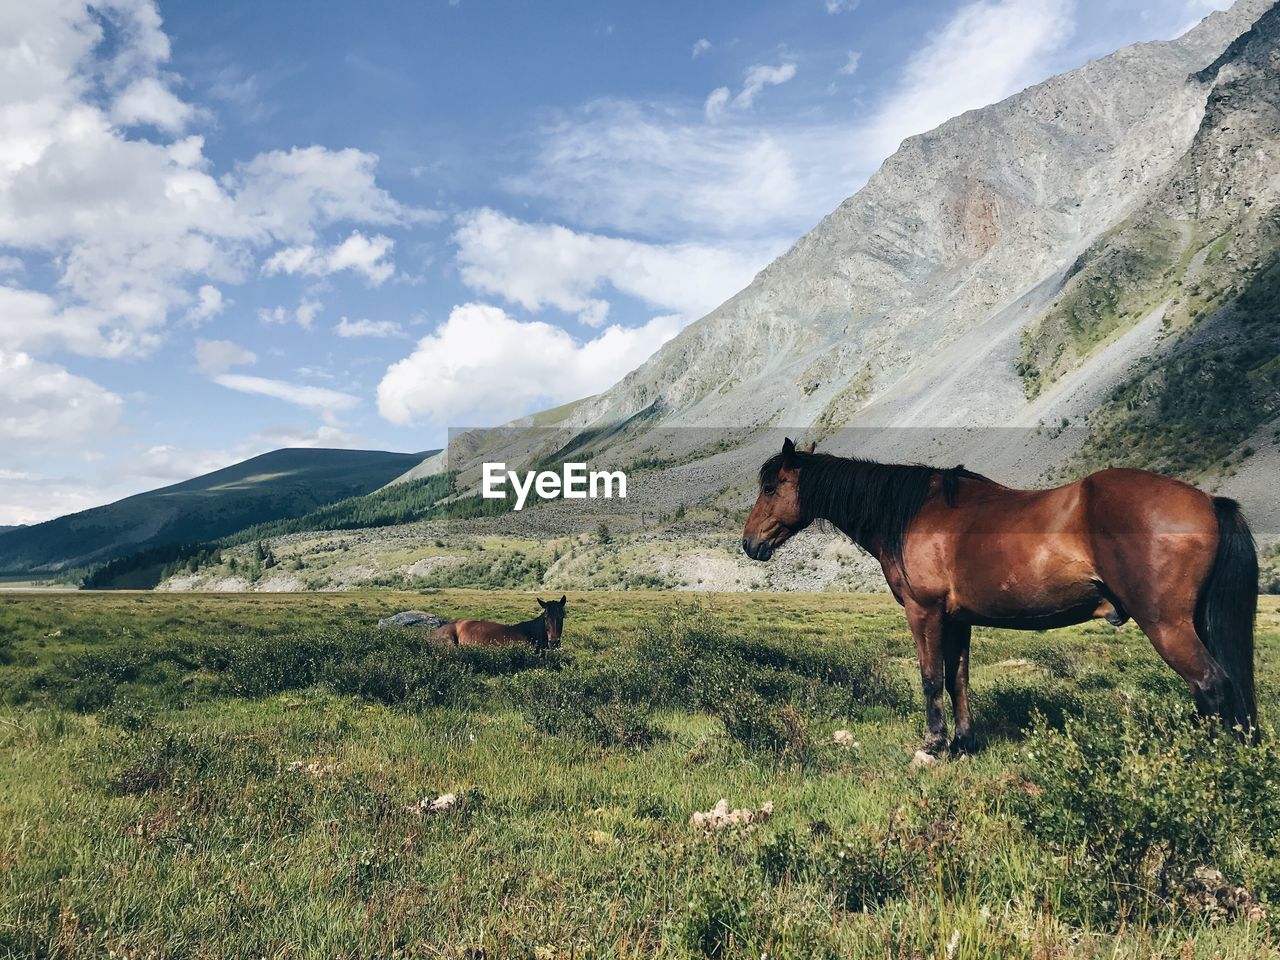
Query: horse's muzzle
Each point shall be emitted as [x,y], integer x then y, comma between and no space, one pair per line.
[762,550]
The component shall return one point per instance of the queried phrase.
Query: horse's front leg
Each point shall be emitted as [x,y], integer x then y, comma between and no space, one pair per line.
[955,651]
[927,628]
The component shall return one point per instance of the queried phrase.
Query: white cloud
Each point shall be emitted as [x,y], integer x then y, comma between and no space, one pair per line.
[170,464]
[757,77]
[307,312]
[328,402]
[700,47]
[209,303]
[12,265]
[288,193]
[523,365]
[148,101]
[842,6]
[304,315]
[987,51]
[132,226]
[663,171]
[219,356]
[851,64]
[538,264]
[652,170]
[367,328]
[716,101]
[326,435]
[43,405]
[32,498]
[760,76]
[362,254]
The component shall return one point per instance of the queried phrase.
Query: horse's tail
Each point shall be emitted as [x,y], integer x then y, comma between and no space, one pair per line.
[1228,605]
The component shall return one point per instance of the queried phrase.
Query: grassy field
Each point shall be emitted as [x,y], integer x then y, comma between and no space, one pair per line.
[227,776]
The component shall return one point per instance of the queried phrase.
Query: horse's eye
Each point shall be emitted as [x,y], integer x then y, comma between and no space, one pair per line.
[770,491]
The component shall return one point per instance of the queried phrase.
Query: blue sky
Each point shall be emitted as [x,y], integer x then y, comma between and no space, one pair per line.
[229,227]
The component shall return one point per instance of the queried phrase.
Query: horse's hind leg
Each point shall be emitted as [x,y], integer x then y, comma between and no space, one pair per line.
[1178,644]
[955,652]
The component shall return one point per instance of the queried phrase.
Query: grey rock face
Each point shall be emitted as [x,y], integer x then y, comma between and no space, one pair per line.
[956,226]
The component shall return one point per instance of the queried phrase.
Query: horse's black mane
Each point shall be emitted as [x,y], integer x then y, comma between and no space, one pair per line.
[535,630]
[872,502]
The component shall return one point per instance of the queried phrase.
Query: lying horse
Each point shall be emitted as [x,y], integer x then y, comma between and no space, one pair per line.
[959,550]
[542,632]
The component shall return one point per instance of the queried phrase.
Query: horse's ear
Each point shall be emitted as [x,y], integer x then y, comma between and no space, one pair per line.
[788,450]
[811,447]
[564,597]
[540,603]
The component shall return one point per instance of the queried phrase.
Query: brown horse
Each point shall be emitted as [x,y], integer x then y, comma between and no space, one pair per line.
[542,632]
[959,550]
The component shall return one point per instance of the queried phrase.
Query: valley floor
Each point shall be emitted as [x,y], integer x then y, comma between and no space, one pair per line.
[252,775]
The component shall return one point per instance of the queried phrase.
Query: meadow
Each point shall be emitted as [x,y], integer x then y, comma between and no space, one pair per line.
[196,775]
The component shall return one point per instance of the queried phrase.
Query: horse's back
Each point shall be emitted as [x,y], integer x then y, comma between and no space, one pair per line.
[1124,500]
[483,633]
[447,633]
[1003,554]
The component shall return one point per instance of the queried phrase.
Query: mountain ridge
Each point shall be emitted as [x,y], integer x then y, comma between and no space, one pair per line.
[282,483]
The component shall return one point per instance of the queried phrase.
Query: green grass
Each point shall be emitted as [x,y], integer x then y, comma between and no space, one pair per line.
[148,806]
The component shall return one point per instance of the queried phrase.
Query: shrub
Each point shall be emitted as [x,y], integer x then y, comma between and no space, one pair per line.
[388,676]
[155,761]
[1133,799]
[759,725]
[715,921]
[129,713]
[1008,707]
[602,707]
[693,661]
[918,848]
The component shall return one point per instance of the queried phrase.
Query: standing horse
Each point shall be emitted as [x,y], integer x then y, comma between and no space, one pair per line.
[959,550]
[542,632]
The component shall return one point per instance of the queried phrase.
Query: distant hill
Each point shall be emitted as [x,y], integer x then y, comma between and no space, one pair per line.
[4,530]
[274,486]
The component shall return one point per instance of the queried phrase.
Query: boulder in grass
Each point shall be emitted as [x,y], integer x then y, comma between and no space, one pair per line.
[414,618]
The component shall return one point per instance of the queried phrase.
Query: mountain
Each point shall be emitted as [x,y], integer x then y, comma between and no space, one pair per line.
[281,484]
[4,530]
[1084,274]
[1090,261]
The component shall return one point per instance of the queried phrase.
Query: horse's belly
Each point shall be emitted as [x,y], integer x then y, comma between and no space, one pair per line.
[1028,620]
[1029,604]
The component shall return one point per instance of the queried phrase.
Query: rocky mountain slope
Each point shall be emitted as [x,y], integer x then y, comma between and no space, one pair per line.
[1006,270]
[283,483]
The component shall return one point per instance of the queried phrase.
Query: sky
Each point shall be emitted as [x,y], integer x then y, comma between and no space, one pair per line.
[231,227]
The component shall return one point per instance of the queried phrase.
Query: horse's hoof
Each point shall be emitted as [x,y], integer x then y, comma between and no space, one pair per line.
[963,746]
[935,744]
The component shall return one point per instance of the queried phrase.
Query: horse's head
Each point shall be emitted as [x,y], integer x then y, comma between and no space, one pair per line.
[777,514]
[553,611]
